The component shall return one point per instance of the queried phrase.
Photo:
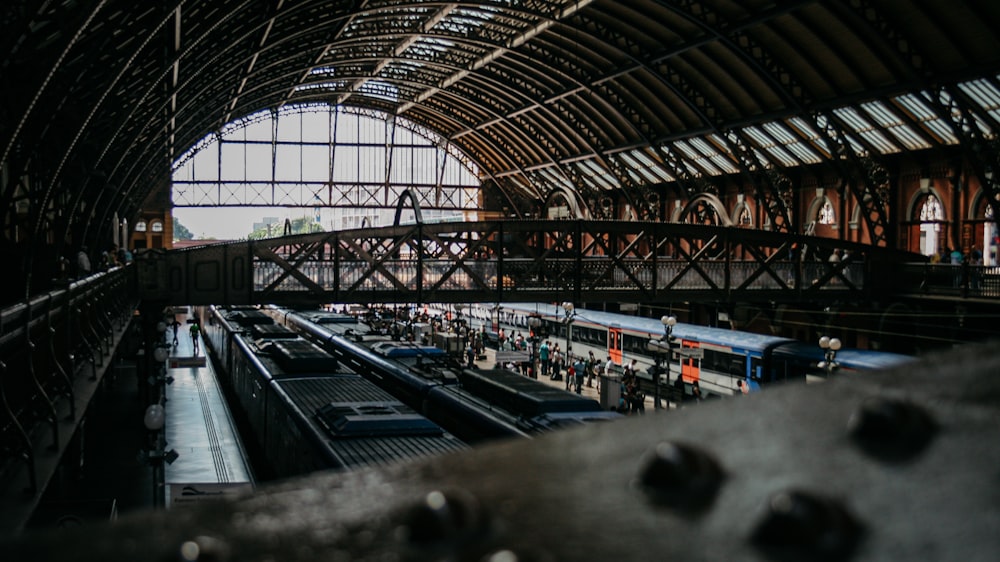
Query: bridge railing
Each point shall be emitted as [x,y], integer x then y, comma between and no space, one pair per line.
[518,260]
[964,280]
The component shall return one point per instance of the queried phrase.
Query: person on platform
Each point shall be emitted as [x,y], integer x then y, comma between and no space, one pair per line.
[543,357]
[176,325]
[195,331]
[579,373]
[591,369]
[82,262]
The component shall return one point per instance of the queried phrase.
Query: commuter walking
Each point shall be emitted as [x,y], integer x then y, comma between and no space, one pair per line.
[195,331]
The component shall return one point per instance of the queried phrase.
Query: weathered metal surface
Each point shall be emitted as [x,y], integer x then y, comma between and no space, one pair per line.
[792,473]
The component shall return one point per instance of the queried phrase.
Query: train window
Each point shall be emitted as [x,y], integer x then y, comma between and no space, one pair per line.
[708,360]
[738,366]
[633,344]
[722,362]
[595,336]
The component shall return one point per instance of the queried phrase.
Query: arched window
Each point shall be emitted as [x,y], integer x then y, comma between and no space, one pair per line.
[931,216]
[745,218]
[156,226]
[338,161]
[140,226]
[826,213]
[984,211]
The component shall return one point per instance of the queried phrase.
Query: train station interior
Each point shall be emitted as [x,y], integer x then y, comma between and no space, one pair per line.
[709,186]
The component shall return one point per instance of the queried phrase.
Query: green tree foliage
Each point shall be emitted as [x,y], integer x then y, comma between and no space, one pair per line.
[302,225]
[181,232]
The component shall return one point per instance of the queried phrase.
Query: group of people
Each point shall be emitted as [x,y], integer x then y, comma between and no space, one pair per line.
[112,257]
[969,274]
[194,331]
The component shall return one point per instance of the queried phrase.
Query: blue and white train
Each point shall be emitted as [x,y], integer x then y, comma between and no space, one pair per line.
[716,358]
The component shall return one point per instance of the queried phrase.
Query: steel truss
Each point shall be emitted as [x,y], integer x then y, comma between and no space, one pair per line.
[532,260]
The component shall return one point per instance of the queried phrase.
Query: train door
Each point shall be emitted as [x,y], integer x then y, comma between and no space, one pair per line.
[615,345]
[756,372]
[690,361]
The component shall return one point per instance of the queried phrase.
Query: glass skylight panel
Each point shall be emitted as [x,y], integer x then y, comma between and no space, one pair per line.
[710,150]
[986,95]
[651,166]
[771,149]
[758,137]
[431,47]
[805,129]
[381,90]
[639,169]
[593,171]
[695,157]
[918,105]
[919,108]
[330,86]
[776,152]
[894,125]
[637,173]
[790,142]
[553,176]
[866,130]
[464,21]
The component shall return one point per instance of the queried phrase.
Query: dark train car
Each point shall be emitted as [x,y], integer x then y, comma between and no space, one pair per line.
[431,381]
[306,410]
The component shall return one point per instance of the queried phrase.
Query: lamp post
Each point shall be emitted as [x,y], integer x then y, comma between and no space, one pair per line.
[830,347]
[460,326]
[570,311]
[534,323]
[663,346]
[154,419]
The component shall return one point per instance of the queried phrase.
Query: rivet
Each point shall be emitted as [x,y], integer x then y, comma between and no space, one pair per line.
[680,476]
[891,429]
[443,517]
[204,549]
[804,526]
[516,555]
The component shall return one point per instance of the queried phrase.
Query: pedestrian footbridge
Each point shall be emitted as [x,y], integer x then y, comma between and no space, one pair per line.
[524,260]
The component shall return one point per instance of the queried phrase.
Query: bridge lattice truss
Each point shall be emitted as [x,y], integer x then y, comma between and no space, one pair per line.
[511,261]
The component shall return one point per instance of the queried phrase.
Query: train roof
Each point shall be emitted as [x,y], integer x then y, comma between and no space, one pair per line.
[271,332]
[248,317]
[324,317]
[860,359]
[400,349]
[295,356]
[363,424]
[522,395]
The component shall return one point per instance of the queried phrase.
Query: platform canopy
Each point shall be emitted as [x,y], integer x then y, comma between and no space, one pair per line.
[585,97]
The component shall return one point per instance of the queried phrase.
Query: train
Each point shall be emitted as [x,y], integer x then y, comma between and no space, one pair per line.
[475,404]
[306,410]
[720,362]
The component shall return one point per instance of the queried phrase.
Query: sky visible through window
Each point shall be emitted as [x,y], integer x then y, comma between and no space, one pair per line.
[304,161]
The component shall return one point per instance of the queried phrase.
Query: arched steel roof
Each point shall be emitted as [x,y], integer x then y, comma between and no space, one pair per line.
[100,96]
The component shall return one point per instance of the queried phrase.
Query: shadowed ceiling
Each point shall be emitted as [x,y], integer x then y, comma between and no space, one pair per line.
[100,97]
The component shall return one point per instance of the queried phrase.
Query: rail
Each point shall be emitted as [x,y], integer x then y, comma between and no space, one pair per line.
[518,261]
